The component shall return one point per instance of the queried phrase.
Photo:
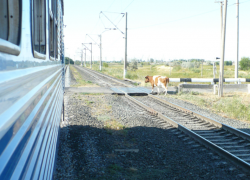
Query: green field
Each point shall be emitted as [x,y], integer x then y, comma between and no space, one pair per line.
[232,105]
[116,70]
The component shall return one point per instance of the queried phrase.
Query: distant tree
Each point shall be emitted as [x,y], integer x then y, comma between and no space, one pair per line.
[68,60]
[228,63]
[245,63]
[190,65]
[193,60]
[133,65]
[175,63]
[152,60]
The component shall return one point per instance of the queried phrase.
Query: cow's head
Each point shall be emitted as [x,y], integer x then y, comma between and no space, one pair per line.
[146,79]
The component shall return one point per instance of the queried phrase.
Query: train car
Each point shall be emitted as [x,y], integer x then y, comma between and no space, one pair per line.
[31,86]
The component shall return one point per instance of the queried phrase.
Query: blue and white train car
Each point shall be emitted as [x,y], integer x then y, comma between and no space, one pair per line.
[31,86]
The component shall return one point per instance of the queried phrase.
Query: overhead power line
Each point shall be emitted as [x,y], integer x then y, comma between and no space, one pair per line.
[112,22]
[102,22]
[119,21]
[158,24]
[111,5]
[92,39]
[128,5]
[111,12]
[94,27]
[125,9]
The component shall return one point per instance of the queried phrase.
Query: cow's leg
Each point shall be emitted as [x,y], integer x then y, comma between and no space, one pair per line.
[166,89]
[158,90]
[152,89]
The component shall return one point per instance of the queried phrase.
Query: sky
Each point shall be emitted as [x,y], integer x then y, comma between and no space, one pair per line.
[158,29]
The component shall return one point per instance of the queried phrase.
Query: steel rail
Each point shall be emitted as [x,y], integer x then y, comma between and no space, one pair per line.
[234,159]
[106,76]
[195,114]
[95,77]
[214,122]
[222,152]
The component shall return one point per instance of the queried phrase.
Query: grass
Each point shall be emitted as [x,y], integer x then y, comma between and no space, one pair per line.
[103,118]
[101,110]
[88,102]
[116,70]
[79,80]
[131,75]
[232,105]
[115,128]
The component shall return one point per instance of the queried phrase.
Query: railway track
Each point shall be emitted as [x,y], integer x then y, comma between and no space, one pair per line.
[228,142]
[103,80]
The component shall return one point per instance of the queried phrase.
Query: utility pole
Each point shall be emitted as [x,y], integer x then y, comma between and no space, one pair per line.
[90,51]
[100,46]
[100,52]
[221,14]
[81,56]
[201,66]
[237,56]
[91,57]
[221,77]
[85,58]
[169,67]
[125,60]
[116,28]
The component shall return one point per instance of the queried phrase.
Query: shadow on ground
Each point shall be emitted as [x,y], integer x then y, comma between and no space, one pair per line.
[87,152]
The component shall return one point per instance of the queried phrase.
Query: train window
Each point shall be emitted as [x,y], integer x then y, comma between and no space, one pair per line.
[56,37]
[51,34]
[59,32]
[55,9]
[39,29]
[10,18]
[52,30]
[14,21]
[55,30]
[4,20]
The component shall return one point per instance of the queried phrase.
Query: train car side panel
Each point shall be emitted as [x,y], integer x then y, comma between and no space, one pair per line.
[31,87]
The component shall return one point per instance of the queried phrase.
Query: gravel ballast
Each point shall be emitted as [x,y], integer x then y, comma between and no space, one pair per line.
[109,137]
[86,76]
[136,147]
[244,126]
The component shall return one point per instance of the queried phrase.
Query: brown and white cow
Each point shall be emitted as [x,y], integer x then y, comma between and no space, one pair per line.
[158,81]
